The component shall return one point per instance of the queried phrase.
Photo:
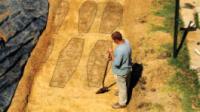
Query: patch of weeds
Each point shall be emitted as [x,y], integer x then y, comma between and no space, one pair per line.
[166,11]
[165,51]
[157,108]
[196,17]
[166,48]
[151,107]
[183,59]
[186,83]
[157,28]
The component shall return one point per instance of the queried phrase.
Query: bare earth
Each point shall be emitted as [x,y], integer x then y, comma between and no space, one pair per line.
[44,89]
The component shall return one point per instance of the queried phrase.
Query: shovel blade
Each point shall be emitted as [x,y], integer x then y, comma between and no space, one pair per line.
[102,90]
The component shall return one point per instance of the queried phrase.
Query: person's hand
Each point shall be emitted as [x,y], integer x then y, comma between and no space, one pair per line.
[110,50]
[110,54]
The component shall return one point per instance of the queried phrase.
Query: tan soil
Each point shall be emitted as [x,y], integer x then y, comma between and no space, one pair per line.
[35,95]
[87,14]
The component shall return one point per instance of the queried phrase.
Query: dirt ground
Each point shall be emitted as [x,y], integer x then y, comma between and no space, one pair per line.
[42,89]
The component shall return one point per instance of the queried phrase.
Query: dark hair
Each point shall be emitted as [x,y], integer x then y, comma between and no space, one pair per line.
[116,36]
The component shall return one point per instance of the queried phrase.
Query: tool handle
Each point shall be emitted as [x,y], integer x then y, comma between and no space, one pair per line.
[105,73]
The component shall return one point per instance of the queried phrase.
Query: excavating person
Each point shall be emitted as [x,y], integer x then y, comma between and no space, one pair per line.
[121,67]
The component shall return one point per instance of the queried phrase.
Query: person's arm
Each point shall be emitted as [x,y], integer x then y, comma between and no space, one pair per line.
[117,59]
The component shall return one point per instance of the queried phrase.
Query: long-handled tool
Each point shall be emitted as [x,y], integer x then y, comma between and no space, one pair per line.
[104,89]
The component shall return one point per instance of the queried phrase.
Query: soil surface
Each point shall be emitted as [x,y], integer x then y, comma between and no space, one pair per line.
[72,88]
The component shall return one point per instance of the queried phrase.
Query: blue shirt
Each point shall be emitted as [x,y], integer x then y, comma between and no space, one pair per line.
[122,63]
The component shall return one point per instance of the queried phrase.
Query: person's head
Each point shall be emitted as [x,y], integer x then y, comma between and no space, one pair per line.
[117,37]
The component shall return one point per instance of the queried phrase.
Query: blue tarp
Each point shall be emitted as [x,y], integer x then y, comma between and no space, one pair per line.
[21,22]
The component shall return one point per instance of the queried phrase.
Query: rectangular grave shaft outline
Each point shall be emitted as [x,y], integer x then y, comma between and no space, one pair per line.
[61,77]
[85,28]
[63,4]
[111,18]
[99,57]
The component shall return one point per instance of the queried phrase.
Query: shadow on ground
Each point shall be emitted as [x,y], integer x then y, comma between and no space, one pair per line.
[134,78]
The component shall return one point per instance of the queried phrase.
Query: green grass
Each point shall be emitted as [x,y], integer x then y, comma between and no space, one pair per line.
[185,81]
[197,20]
[183,59]
[165,12]
[157,108]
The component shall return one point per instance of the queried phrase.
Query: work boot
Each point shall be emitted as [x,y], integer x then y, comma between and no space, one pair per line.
[118,106]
